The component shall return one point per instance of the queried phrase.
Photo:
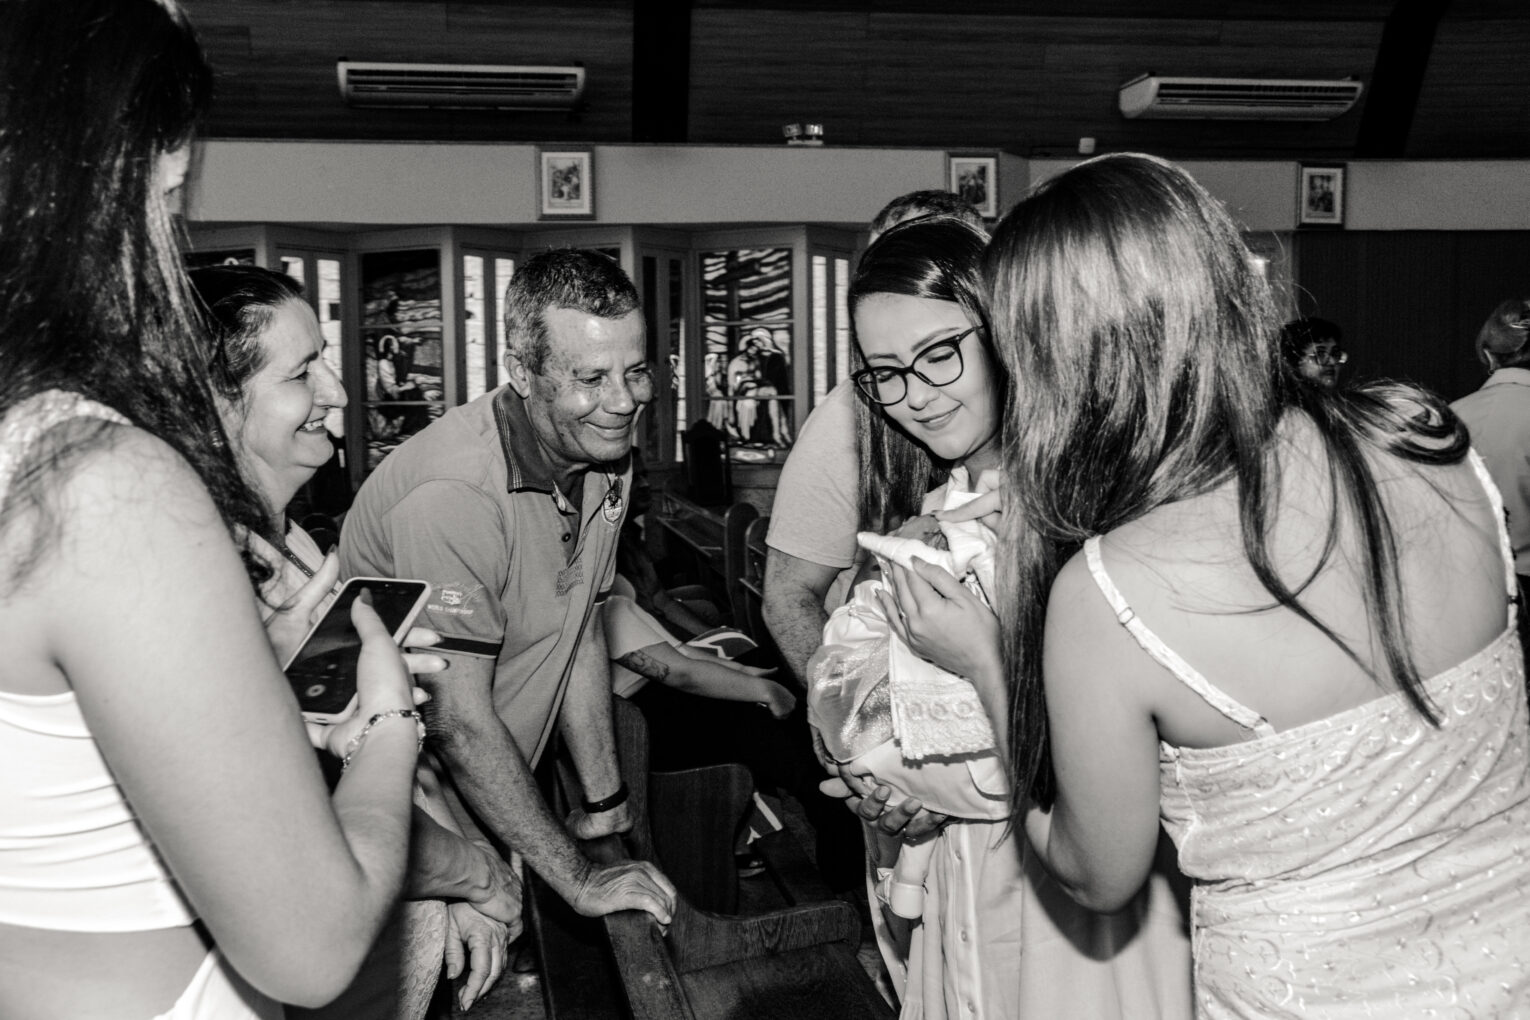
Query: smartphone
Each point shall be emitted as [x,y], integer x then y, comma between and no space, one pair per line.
[323,669]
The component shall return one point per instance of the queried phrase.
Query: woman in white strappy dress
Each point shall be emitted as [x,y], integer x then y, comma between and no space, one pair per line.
[1294,602]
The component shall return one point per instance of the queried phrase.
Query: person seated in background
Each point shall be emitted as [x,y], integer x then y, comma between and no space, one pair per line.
[1310,347]
[812,555]
[688,610]
[1498,417]
[274,390]
[917,204]
[703,709]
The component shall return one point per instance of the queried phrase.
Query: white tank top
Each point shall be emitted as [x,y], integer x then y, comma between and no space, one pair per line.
[72,855]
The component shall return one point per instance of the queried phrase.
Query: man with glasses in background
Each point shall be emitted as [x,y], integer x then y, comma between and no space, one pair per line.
[1311,348]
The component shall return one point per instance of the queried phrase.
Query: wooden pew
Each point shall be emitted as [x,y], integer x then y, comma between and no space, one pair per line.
[709,542]
[748,591]
[795,961]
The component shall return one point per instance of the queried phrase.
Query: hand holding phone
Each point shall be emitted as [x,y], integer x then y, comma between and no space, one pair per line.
[323,670]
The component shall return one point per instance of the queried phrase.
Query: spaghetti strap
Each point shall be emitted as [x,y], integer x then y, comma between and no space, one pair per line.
[1505,547]
[1166,656]
[34,417]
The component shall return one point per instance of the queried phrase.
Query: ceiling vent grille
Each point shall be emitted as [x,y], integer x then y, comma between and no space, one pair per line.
[1151,96]
[465,86]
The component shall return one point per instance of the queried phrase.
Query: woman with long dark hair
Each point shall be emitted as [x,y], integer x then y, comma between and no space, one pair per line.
[1275,616]
[995,937]
[167,845]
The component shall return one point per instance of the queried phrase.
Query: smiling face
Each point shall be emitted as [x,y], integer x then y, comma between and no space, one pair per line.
[278,428]
[584,403]
[958,422]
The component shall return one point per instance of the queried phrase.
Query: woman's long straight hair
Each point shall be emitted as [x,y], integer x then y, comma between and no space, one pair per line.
[92,295]
[935,257]
[1144,346]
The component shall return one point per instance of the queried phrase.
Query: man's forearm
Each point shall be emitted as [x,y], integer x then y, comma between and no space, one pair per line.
[493,778]
[585,719]
[796,620]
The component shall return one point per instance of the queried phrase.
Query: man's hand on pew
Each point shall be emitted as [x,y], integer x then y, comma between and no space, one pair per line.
[625,885]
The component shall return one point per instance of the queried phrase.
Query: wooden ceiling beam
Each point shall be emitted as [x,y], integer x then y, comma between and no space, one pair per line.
[661,70]
[1407,41]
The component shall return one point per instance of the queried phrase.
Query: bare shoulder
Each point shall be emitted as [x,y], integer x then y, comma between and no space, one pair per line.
[1080,624]
[127,461]
[94,478]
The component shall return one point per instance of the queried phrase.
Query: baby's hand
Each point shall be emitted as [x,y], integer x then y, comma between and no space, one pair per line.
[924,528]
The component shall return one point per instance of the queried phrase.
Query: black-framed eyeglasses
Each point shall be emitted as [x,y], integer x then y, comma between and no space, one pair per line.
[1326,355]
[939,364]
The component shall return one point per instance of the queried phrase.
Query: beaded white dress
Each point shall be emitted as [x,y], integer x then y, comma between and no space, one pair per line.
[1363,865]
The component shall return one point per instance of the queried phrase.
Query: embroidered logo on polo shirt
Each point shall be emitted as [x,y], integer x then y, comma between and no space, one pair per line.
[570,577]
[455,598]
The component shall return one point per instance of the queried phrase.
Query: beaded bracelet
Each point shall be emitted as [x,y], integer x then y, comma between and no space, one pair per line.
[354,744]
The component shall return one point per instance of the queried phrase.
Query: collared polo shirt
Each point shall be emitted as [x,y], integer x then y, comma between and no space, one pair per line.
[470,505]
[1498,416]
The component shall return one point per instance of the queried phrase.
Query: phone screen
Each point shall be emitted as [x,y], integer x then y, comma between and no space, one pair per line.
[323,672]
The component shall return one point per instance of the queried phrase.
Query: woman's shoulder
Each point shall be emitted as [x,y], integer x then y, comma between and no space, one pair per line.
[123,472]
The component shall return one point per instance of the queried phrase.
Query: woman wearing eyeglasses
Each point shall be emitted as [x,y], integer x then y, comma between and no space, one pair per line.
[995,937]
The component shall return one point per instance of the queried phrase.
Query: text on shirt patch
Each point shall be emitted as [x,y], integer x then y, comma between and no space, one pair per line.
[455,599]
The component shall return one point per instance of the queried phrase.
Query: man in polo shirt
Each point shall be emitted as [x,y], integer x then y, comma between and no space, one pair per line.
[510,506]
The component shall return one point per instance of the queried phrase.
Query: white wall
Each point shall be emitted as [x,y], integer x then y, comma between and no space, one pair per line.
[368,183]
[1260,194]
[1440,195]
[401,183]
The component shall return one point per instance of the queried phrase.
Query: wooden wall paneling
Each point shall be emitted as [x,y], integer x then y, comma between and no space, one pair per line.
[1293,10]
[753,71]
[1412,306]
[276,66]
[1475,100]
[1029,84]
[1084,77]
[1411,302]
[1490,267]
[1398,75]
[1393,293]
[597,36]
[661,70]
[950,83]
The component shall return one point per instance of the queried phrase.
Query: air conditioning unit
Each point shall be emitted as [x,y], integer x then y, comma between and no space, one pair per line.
[1151,96]
[469,86]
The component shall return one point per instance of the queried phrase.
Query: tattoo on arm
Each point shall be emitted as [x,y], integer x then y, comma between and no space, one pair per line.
[644,664]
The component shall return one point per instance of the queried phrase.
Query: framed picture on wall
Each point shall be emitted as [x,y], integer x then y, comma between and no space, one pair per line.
[1320,195]
[975,177]
[566,184]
